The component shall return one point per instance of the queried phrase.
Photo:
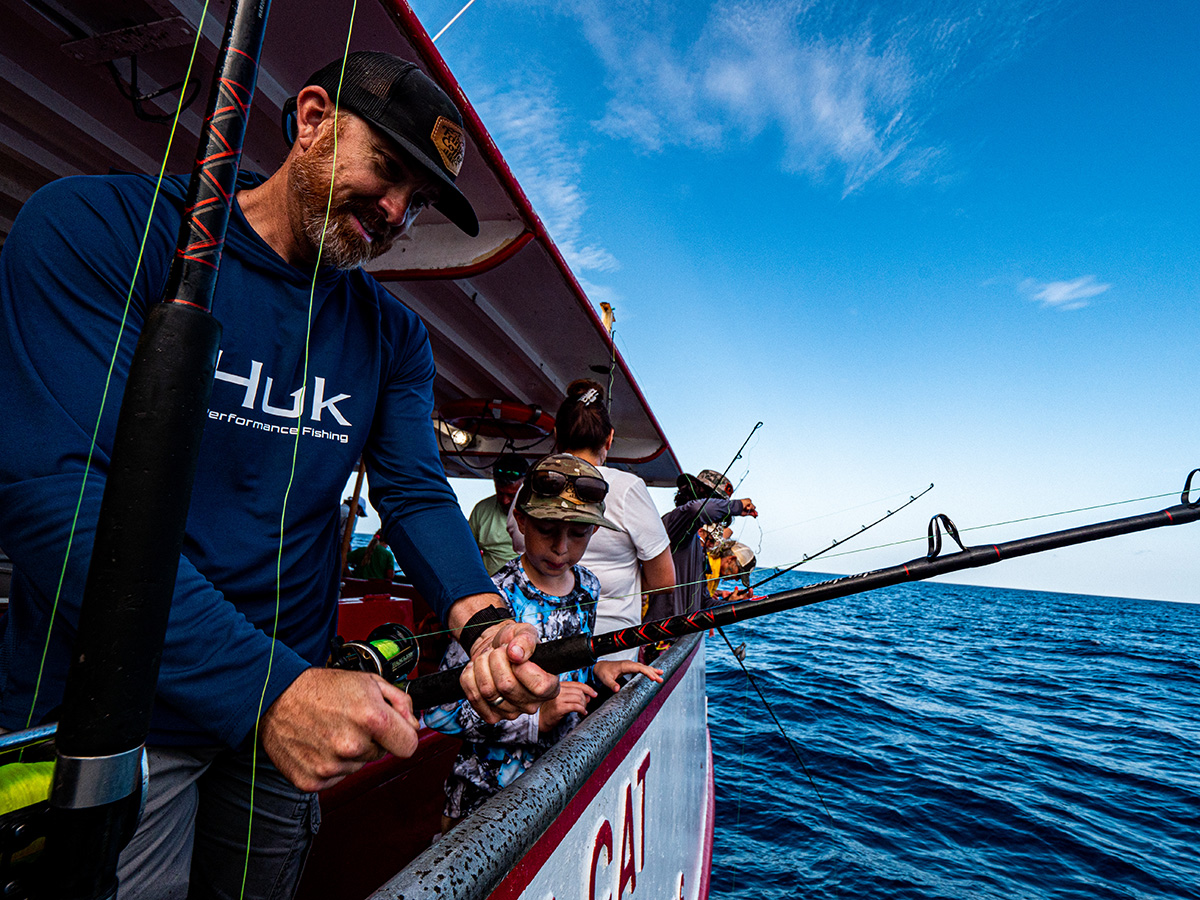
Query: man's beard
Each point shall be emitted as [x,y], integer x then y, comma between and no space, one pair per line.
[344,246]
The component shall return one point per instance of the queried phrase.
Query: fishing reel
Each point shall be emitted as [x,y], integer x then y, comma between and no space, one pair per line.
[23,828]
[390,651]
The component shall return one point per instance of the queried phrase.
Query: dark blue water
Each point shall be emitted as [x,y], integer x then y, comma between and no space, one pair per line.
[969,743]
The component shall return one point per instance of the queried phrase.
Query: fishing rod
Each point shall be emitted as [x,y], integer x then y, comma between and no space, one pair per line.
[696,520]
[838,543]
[100,766]
[583,650]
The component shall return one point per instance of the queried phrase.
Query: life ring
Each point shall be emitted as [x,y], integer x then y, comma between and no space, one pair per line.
[498,418]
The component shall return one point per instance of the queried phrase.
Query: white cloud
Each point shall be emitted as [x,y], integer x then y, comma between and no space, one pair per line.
[846,87]
[530,130]
[1064,295]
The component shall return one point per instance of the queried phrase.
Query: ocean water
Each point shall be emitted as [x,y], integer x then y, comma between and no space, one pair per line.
[967,742]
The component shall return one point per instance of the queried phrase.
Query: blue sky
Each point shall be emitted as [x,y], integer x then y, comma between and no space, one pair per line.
[924,242]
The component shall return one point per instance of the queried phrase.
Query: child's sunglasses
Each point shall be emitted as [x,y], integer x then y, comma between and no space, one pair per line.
[550,483]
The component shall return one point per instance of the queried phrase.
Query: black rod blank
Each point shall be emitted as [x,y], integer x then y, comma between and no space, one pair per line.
[111,684]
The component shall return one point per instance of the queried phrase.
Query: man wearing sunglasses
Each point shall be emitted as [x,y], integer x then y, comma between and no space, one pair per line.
[489,517]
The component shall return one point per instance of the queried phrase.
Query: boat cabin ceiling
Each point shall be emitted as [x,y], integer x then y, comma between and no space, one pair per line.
[87,87]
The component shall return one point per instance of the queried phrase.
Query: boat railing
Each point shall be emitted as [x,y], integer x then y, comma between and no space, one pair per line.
[482,849]
[29,737]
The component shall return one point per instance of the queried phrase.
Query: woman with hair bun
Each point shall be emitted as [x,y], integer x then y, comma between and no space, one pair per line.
[636,559]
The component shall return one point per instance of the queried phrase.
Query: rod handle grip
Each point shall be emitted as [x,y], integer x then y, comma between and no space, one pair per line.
[555,657]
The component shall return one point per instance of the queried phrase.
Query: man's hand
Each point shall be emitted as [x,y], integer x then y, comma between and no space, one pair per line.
[573,697]
[329,723]
[499,681]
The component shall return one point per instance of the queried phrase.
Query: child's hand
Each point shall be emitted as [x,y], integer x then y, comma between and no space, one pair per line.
[609,670]
[573,696]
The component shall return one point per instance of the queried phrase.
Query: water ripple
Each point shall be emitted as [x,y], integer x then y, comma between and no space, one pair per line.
[977,743]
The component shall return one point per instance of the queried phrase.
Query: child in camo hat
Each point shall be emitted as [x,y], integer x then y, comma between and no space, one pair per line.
[559,507]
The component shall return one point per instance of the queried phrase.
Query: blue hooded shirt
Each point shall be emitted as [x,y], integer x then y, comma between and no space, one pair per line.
[65,271]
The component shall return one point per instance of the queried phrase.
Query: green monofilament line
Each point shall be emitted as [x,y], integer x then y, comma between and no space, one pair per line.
[295,452]
[387,649]
[112,363]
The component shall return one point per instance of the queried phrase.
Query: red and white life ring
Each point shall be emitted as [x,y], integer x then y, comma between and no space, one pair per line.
[498,418]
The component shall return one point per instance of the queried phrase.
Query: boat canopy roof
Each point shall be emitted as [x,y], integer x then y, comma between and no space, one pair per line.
[508,320]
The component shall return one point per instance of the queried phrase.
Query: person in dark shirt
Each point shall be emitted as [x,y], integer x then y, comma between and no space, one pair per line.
[702,500]
[243,662]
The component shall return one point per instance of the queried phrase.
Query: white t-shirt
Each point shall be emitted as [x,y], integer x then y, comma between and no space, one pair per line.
[614,556]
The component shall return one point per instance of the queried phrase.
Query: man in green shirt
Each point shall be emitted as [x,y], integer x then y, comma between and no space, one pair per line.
[490,515]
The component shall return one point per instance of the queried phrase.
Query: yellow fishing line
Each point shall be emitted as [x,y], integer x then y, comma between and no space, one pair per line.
[295,454]
[111,365]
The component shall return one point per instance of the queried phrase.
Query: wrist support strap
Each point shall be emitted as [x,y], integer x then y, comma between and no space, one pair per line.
[481,622]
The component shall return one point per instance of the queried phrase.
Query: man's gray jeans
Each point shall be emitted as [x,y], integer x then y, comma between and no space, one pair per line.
[192,839]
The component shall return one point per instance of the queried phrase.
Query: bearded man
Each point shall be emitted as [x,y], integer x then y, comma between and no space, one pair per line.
[318,363]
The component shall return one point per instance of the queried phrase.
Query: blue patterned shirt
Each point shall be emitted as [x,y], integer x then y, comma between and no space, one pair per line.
[493,756]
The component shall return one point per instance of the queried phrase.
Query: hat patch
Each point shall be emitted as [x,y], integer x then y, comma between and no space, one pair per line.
[447,137]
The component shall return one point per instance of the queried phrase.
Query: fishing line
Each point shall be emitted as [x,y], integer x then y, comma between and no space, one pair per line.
[295,453]
[837,512]
[627,357]
[1065,512]
[746,522]
[775,719]
[690,532]
[750,678]
[87,466]
[891,512]
[742,526]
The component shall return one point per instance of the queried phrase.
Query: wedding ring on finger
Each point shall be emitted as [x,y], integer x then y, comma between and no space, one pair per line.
[497,701]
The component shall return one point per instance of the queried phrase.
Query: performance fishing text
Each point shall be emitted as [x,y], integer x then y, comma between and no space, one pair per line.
[305,431]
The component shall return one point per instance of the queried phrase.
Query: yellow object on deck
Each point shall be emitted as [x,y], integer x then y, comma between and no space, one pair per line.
[24,784]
